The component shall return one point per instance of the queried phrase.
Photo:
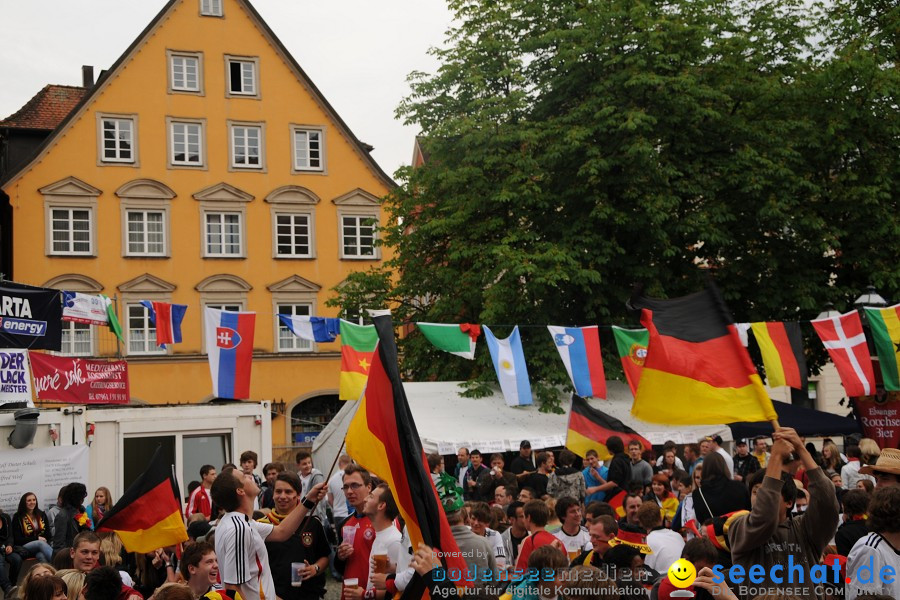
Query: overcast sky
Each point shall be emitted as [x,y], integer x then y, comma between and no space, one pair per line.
[358,52]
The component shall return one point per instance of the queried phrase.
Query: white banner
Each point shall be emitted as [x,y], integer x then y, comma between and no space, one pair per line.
[84,308]
[41,471]
[15,377]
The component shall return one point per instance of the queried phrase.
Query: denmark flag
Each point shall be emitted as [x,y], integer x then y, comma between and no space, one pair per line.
[229,346]
[846,344]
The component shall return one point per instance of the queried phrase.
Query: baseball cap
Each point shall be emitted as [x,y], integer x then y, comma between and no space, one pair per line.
[525,444]
[741,442]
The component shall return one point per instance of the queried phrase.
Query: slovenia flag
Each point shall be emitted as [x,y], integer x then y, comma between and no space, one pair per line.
[509,363]
[579,348]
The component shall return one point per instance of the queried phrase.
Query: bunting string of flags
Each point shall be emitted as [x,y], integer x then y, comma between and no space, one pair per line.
[229,341]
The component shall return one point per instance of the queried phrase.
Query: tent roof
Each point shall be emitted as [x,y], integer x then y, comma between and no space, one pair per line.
[447,421]
[807,422]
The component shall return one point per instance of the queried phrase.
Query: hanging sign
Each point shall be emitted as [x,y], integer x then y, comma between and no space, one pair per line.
[79,381]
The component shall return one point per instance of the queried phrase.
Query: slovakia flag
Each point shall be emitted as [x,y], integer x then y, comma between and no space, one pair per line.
[167,319]
[579,348]
[229,346]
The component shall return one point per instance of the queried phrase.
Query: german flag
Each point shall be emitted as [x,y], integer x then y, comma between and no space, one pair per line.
[589,429]
[148,516]
[781,346]
[382,437]
[697,371]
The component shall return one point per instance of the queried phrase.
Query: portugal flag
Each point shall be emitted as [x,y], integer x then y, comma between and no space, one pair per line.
[589,429]
[697,371]
[357,346]
[632,347]
[781,346]
[383,438]
[148,516]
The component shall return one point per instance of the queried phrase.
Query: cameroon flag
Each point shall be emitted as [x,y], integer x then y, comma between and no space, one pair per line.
[781,346]
[697,371]
[632,347]
[885,325]
[589,429]
[382,437]
[357,346]
[148,516]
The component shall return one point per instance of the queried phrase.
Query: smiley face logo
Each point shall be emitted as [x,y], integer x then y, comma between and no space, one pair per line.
[682,573]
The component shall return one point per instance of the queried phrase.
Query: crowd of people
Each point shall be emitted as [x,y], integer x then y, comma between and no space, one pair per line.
[551,526]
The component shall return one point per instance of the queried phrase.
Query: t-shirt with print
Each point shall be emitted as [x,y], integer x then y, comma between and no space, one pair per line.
[243,558]
[575,544]
[387,542]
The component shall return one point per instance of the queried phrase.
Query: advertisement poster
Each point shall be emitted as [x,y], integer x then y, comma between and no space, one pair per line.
[30,317]
[42,471]
[84,308]
[15,378]
[79,381]
[880,418]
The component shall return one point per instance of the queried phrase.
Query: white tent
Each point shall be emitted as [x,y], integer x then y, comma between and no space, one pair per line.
[447,421]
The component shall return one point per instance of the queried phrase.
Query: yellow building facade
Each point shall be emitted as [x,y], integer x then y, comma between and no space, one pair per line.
[204,168]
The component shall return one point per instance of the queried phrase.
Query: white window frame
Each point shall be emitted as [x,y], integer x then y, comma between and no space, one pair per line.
[70,250]
[174,55]
[171,124]
[222,212]
[102,159]
[69,329]
[243,60]
[310,235]
[145,242]
[149,331]
[307,129]
[233,128]
[359,216]
[212,8]
[145,195]
[296,344]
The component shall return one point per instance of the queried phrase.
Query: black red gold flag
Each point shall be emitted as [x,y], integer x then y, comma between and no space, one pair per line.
[589,429]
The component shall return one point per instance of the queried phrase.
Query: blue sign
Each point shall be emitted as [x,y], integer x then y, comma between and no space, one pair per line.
[305,437]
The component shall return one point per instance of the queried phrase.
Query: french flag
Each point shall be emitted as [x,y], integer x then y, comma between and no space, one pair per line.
[229,347]
[167,320]
[579,348]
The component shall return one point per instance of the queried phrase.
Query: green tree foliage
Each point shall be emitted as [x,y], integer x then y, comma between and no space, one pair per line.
[577,147]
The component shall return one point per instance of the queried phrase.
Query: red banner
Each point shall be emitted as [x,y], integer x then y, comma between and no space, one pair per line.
[79,381]
[880,418]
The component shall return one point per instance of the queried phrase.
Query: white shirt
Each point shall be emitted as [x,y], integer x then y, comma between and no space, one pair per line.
[387,541]
[496,542]
[729,462]
[877,549]
[404,571]
[667,546]
[339,500]
[850,475]
[241,551]
[579,542]
[462,476]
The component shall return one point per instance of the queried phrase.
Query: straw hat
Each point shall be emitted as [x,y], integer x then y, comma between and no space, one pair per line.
[888,462]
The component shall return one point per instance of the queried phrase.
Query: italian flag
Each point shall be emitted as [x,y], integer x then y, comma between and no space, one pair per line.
[455,339]
[885,325]
[632,347]
[357,348]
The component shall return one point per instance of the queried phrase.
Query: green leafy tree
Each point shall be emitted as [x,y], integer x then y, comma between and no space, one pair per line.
[578,147]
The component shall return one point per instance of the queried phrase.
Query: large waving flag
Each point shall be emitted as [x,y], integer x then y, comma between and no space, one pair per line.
[845,341]
[509,363]
[589,429]
[148,516]
[313,329]
[781,345]
[885,326]
[697,371]
[229,347]
[579,348]
[455,339]
[382,437]
[631,345]
[357,347]
[167,320]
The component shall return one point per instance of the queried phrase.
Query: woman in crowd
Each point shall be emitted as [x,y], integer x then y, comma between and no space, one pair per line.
[661,493]
[49,587]
[870,451]
[74,582]
[35,572]
[718,494]
[668,465]
[30,528]
[99,506]
[831,457]
[71,519]
[865,485]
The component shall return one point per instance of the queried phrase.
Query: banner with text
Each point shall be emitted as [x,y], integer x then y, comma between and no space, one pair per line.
[880,418]
[79,381]
[84,308]
[42,471]
[30,317]
[15,378]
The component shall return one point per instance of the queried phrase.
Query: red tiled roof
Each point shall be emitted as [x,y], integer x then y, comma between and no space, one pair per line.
[47,109]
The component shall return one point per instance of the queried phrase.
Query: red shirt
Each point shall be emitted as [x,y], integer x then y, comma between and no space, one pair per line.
[357,565]
[533,541]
